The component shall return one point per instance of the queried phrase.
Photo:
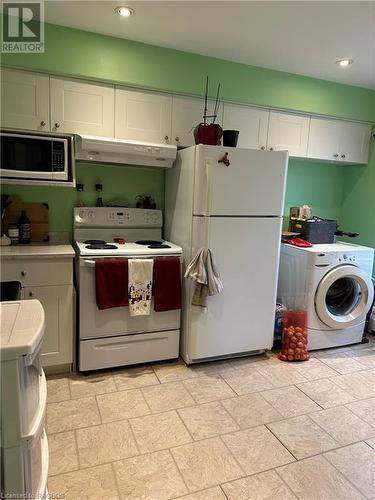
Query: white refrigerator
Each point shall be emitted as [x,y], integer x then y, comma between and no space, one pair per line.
[236,211]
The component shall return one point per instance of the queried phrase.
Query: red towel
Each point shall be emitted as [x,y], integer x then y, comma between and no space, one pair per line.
[111,282]
[167,284]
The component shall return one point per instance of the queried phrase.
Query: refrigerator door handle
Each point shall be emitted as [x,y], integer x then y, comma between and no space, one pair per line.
[208,188]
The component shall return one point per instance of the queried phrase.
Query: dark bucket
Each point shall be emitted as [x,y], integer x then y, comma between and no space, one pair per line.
[230,138]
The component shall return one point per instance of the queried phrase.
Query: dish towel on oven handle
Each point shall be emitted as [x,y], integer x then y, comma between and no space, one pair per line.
[203,270]
[140,286]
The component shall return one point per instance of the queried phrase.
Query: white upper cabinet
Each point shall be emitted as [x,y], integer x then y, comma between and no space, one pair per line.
[142,116]
[187,113]
[252,123]
[339,140]
[82,108]
[24,100]
[324,139]
[288,132]
[354,142]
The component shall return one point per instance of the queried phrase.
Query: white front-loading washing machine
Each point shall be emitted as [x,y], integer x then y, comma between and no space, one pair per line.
[333,283]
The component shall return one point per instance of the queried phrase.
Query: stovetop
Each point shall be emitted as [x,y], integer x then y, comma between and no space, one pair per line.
[129,249]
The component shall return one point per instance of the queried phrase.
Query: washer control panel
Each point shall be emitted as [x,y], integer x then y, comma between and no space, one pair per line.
[117,217]
[334,258]
[346,258]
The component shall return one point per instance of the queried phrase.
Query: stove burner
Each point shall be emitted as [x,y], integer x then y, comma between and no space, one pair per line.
[159,245]
[149,242]
[94,242]
[101,246]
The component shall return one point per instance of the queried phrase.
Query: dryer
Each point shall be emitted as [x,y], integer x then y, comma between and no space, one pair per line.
[333,282]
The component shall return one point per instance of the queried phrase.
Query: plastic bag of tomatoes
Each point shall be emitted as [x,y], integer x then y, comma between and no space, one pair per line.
[294,341]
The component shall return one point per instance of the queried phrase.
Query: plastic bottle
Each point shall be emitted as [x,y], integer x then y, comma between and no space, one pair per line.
[24,227]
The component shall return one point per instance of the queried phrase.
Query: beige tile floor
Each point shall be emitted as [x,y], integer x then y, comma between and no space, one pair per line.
[246,429]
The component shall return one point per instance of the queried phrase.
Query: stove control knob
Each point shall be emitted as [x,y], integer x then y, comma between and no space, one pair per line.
[345,256]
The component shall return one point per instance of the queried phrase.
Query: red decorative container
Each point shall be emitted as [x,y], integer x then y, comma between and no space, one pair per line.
[208,133]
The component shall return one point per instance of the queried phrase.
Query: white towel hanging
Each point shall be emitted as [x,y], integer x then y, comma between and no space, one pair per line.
[203,270]
[140,286]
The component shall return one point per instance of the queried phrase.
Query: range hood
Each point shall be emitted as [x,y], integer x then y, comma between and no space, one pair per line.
[119,151]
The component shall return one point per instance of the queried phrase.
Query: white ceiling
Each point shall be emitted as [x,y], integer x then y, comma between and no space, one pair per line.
[296,36]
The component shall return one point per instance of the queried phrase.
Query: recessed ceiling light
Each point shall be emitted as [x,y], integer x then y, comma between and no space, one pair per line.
[124,11]
[344,62]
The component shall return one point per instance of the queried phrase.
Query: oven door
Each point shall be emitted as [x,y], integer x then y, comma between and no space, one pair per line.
[95,323]
[34,157]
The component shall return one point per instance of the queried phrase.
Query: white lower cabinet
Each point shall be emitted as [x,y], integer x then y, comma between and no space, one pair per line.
[288,132]
[252,123]
[57,302]
[51,282]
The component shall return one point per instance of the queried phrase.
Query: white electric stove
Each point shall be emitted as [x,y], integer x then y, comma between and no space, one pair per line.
[111,337]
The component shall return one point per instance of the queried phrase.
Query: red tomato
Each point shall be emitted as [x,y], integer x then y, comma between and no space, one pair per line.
[301,345]
[293,345]
[290,358]
[290,352]
[282,357]
[294,339]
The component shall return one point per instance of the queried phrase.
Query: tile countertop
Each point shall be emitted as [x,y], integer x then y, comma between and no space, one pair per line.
[37,250]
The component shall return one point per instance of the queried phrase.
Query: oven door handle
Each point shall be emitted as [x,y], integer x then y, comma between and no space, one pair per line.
[89,263]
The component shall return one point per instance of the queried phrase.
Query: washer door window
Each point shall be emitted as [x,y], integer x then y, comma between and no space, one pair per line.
[344,297]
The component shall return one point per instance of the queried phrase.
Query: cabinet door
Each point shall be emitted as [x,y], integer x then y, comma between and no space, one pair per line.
[354,142]
[82,108]
[187,113]
[57,301]
[324,139]
[142,116]
[24,100]
[288,132]
[252,124]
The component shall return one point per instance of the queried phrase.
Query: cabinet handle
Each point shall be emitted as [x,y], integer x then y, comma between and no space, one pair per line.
[42,123]
[57,125]
[177,139]
[31,294]
[336,155]
[166,138]
[23,273]
[343,156]
[271,149]
[262,148]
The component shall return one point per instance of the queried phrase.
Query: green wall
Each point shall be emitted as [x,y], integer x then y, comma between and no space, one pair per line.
[358,203]
[118,182]
[332,191]
[319,185]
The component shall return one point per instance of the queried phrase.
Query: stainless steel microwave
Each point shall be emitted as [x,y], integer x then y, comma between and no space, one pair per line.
[37,156]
